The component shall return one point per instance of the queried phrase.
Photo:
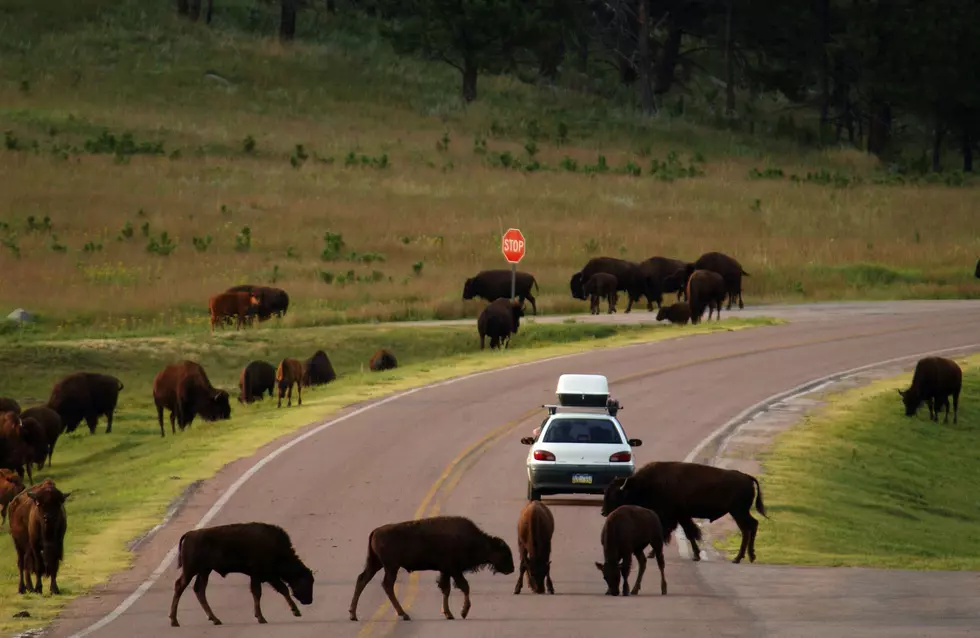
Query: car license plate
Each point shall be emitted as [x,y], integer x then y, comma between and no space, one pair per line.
[582,479]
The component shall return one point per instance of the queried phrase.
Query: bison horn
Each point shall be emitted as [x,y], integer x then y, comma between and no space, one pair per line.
[65,496]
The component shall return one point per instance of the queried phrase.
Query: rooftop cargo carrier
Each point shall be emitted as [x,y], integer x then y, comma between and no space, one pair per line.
[582,390]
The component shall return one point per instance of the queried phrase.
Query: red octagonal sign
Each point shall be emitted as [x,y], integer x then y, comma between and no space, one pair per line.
[512,245]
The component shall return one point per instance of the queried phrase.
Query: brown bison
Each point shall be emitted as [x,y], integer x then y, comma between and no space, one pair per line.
[11,485]
[705,289]
[51,424]
[629,278]
[272,301]
[257,378]
[535,527]
[680,492]
[730,270]
[601,285]
[261,551]
[185,390]
[657,270]
[627,530]
[85,396]
[289,373]
[9,405]
[934,380]
[232,304]
[35,442]
[450,545]
[383,360]
[676,313]
[38,522]
[499,320]
[495,284]
[317,370]
[15,445]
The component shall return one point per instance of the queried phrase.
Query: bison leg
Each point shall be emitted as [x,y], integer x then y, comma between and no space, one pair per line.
[388,584]
[108,422]
[21,568]
[464,587]
[180,584]
[658,550]
[280,587]
[299,393]
[160,419]
[748,526]
[956,405]
[200,585]
[482,342]
[547,580]
[37,563]
[522,569]
[642,561]
[445,588]
[53,587]
[612,302]
[372,567]
[624,570]
[692,532]
[593,304]
[91,420]
[534,306]
[255,586]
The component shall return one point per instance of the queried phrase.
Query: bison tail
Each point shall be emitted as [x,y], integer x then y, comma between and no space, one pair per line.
[180,550]
[535,282]
[759,505]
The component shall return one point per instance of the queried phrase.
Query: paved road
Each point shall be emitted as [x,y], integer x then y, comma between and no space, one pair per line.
[455,449]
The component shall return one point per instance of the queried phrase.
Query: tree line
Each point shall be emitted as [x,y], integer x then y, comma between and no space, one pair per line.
[871,68]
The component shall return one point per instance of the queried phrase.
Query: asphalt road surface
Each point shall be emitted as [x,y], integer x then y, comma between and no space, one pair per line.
[456,449]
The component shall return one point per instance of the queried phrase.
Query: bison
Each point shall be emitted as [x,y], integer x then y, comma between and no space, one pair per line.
[976,270]
[257,378]
[85,396]
[15,445]
[601,285]
[499,320]
[657,271]
[9,405]
[629,278]
[185,390]
[680,492]
[38,522]
[35,442]
[289,373]
[495,284]
[730,270]
[535,527]
[627,530]
[934,380]
[51,425]
[232,304]
[272,301]
[678,313]
[261,551]
[317,370]
[383,360]
[11,485]
[705,289]
[450,545]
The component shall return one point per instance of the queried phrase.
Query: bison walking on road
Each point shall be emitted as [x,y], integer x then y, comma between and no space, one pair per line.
[495,284]
[184,389]
[680,492]
[450,545]
[535,527]
[730,270]
[629,278]
[601,285]
[499,320]
[934,380]
[657,271]
[38,523]
[85,396]
[627,530]
[261,551]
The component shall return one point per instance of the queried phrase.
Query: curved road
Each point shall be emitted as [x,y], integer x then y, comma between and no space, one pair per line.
[455,448]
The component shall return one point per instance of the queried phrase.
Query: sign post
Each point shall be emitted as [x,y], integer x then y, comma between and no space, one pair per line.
[513,247]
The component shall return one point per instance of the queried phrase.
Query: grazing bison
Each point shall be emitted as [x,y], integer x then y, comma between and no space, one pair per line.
[261,551]
[499,320]
[10,486]
[288,374]
[239,305]
[9,405]
[272,301]
[38,522]
[51,424]
[601,285]
[629,278]
[677,313]
[705,289]
[450,545]
[15,448]
[85,396]
[35,442]
[535,527]
[257,378]
[627,530]
[495,284]
[383,360]
[934,380]
[680,492]
[185,390]
[657,271]
[317,370]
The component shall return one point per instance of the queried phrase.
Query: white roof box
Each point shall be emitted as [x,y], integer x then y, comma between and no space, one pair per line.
[582,390]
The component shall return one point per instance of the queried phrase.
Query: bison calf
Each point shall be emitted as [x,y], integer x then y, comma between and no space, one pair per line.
[261,551]
[383,360]
[450,545]
[627,530]
[535,527]
[600,286]
[289,373]
[38,523]
[678,313]
[934,380]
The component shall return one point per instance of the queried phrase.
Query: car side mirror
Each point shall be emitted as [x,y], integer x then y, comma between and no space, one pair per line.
[635,442]
[527,440]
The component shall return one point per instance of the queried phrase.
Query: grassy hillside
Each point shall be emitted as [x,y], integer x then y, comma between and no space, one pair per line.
[149,162]
[861,484]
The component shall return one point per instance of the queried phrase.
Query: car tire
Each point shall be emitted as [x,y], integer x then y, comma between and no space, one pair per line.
[532,494]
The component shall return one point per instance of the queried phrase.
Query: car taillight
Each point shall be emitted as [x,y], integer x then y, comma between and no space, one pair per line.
[620,457]
[543,455]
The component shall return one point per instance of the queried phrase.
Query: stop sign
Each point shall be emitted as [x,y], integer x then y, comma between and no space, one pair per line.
[512,245]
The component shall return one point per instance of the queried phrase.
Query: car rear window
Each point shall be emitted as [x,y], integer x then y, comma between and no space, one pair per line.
[582,431]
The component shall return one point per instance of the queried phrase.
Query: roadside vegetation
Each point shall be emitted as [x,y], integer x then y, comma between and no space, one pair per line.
[859,484]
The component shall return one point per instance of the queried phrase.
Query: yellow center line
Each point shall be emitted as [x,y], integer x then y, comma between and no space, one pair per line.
[432,502]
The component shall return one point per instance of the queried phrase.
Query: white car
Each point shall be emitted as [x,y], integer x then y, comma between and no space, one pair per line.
[581,447]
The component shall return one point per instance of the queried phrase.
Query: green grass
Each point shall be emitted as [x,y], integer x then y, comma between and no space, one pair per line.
[861,484]
[122,483]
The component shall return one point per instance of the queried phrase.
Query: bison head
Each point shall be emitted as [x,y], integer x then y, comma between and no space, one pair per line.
[500,559]
[610,573]
[617,493]
[217,407]
[537,570]
[468,290]
[911,399]
[576,286]
[300,581]
[50,504]
[661,314]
